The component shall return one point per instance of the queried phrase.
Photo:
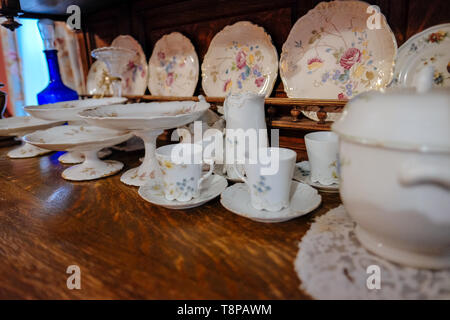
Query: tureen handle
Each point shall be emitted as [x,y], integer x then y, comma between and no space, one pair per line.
[432,171]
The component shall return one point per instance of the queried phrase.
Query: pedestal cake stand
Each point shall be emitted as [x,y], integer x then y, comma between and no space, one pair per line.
[86,139]
[147,121]
[68,111]
[20,126]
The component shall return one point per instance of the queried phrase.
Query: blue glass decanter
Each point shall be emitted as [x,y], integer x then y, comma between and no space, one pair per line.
[56,90]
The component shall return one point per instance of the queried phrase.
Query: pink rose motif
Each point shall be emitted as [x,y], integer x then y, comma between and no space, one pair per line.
[131,65]
[161,55]
[342,96]
[169,79]
[241,59]
[350,57]
[259,81]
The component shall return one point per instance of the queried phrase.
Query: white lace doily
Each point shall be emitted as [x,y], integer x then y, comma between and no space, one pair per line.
[332,264]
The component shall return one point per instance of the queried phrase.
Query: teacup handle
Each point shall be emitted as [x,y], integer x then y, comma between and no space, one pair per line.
[239,174]
[433,171]
[209,162]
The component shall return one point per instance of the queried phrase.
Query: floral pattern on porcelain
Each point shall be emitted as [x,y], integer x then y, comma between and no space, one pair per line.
[440,76]
[170,68]
[303,171]
[261,188]
[331,54]
[168,64]
[183,189]
[174,66]
[353,68]
[241,58]
[135,74]
[245,64]
[132,71]
[430,47]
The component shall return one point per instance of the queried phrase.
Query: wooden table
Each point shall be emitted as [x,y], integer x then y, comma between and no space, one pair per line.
[128,248]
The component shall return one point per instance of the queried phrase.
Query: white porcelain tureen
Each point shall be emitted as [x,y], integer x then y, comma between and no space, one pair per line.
[395,172]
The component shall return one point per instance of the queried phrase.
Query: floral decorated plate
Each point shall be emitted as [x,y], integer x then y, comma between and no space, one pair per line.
[304,199]
[430,47]
[173,67]
[134,74]
[240,58]
[136,71]
[336,51]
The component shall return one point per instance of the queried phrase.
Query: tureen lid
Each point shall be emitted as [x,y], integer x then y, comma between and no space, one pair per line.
[416,119]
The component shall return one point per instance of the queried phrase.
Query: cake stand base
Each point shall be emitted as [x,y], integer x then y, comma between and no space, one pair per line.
[74,157]
[27,151]
[92,168]
[149,169]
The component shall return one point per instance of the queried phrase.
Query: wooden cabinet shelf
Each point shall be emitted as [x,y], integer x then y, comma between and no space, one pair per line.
[326,104]
[277,117]
[304,123]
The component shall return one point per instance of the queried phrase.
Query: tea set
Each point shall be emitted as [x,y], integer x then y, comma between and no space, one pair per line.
[382,174]
[393,179]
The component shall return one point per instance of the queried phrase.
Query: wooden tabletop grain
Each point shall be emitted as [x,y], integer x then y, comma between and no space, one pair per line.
[127,248]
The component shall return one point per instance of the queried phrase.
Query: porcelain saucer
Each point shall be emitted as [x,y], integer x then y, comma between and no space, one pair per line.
[153,193]
[302,174]
[304,199]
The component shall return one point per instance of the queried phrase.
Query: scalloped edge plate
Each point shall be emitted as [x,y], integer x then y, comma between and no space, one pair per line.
[173,67]
[319,61]
[251,61]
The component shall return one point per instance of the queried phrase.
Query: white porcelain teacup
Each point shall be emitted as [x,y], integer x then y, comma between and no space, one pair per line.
[323,149]
[269,178]
[181,170]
